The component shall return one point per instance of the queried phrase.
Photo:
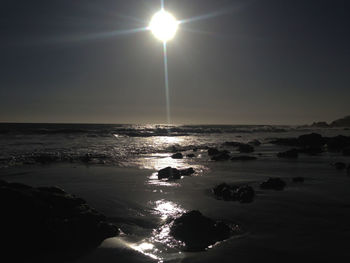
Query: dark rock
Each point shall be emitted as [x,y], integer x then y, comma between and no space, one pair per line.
[50,223]
[340,165]
[170,173]
[338,143]
[241,193]
[346,151]
[198,232]
[243,158]
[173,173]
[187,172]
[311,150]
[320,124]
[344,122]
[313,140]
[273,183]
[255,142]
[191,155]
[213,151]
[232,144]
[45,158]
[177,156]
[245,148]
[221,156]
[286,141]
[293,153]
[298,179]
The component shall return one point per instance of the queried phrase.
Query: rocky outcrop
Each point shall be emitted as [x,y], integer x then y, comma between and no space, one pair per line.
[273,184]
[221,156]
[173,173]
[241,193]
[199,232]
[177,156]
[343,122]
[47,222]
[293,153]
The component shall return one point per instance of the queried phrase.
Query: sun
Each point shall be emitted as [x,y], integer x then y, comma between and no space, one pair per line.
[163,25]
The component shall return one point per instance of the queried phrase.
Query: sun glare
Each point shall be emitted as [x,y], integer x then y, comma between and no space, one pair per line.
[163,25]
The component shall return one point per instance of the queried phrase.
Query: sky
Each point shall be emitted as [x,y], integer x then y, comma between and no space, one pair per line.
[232,62]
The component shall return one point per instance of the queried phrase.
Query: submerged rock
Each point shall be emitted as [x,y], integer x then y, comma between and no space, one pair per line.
[36,223]
[298,179]
[191,155]
[241,193]
[199,232]
[245,148]
[293,153]
[221,156]
[243,158]
[177,156]
[339,165]
[169,172]
[274,184]
[255,142]
[173,173]
[213,151]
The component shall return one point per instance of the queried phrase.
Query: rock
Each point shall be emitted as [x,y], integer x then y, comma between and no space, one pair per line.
[221,156]
[293,153]
[191,155]
[245,148]
[313,140]
[43,223]
[213,151]
[320,124]
[169,173]
[273,183]
[243,158]
[298,179]
[198,232]
[241,193]
[173,173]
[187,172]
[344,122]
[232,144]
[346,151]
[340,165]
[338,143]
[286,141]
[311,150]
[177,156]
[255,143]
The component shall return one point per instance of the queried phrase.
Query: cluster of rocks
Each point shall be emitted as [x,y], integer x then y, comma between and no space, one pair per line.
[173,173]
[224,155]
[47,221]
[241,193]
[314,144]
[198,232]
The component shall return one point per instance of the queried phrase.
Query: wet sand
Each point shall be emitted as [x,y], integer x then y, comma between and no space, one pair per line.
[305,222]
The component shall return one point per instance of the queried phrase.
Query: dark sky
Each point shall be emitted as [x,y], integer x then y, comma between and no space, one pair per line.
[256,62]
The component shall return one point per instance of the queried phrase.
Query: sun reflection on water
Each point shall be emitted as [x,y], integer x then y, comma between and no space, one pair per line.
[167,209]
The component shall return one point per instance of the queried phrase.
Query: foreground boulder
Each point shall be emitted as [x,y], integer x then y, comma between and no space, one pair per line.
[199,232]
[173,173]
[274,184]
[47,224]
[241,193]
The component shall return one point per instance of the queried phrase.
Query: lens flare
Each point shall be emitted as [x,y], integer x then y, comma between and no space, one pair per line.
[163,25]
